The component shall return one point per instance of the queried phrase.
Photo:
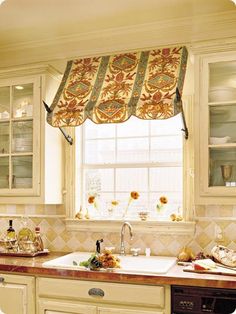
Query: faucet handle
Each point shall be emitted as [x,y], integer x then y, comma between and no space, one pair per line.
[135,251]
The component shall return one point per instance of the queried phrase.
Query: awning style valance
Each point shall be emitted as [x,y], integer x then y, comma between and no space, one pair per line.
[110,89]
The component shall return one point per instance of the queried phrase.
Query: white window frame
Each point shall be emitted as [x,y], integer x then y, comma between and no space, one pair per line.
[186,227]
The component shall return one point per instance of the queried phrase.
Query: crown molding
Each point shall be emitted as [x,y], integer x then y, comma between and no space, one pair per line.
[189,30]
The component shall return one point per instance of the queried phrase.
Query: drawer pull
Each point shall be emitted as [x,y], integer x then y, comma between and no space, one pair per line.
[2,279]
[96,292]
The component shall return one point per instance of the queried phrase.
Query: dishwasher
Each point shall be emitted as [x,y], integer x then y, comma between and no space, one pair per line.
[198,300]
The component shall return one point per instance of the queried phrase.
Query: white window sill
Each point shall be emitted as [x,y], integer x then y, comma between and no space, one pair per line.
[159,227]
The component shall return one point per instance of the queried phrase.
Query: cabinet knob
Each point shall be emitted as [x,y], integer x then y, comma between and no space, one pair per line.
[96,292]
[2,279]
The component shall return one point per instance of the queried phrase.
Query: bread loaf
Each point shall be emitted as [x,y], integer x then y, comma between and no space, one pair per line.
[224,255]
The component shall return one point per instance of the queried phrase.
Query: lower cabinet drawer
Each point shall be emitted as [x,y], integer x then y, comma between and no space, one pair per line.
[136,295]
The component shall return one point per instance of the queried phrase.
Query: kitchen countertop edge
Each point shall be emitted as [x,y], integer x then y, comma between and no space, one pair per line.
[175,276]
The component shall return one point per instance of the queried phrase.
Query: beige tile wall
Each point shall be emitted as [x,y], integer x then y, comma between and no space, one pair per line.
[56,237]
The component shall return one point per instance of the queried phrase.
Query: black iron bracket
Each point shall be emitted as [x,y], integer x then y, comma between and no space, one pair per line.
[179,101]
[66,136]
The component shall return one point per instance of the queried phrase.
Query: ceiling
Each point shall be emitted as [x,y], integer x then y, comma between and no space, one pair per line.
[33,31]
[24,21]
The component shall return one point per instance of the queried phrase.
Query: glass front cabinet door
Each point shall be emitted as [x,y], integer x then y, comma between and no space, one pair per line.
[19,124]
[216,149]
[27,142]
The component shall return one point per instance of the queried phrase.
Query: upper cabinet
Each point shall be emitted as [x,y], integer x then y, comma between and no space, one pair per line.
[215,127]
[30,149]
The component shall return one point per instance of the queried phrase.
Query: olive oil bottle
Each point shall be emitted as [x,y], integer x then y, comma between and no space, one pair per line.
[11,234]
[38,242]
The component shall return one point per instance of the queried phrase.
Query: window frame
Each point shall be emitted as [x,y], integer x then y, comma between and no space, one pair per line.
[70,192]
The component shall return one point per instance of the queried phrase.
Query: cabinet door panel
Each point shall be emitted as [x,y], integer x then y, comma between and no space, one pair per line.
[64,307]
[13,298]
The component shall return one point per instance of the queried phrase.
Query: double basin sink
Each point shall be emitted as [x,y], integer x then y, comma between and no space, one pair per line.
[128,264]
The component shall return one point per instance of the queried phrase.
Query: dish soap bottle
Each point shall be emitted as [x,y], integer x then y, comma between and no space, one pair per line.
[38,242]
[11,234]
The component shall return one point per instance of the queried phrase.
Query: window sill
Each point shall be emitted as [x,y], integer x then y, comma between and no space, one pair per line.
[159,227]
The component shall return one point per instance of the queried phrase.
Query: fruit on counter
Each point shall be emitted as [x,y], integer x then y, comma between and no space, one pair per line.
[109,260]
[186,255]
[204,264]
[104,260]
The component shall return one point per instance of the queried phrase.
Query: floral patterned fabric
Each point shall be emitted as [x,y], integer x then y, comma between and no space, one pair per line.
[110,89]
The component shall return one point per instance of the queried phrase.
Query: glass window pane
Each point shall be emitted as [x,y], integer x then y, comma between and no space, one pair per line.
[93,131]
[100,151]
[97,180]
[4,137]
[132,179]
[4,172]
[4,102]
[133,127]
[222,81]
[166,149]
[171,126]
[133,150]
[166,179]
[22,100]
[222,166]
[222,124]
[22,172]
[22,136]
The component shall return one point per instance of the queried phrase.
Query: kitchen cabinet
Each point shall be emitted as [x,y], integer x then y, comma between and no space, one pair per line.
[17,294]
[30,149]
[80,297]
[215,127]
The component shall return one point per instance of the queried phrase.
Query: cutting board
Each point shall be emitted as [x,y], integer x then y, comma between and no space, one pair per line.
[219,270]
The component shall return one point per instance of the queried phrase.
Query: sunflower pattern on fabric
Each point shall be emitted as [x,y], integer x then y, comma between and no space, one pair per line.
[110,89]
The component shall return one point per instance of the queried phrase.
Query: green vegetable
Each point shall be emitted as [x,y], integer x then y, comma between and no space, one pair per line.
[92,263]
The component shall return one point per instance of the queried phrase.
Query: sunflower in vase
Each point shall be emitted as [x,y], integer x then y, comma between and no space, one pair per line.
[133,196]
[161,204]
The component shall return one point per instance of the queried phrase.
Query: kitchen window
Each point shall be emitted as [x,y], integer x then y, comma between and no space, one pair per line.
[138,155]
[153,159]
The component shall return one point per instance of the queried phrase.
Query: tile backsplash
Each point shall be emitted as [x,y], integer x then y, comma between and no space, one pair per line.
[57,238]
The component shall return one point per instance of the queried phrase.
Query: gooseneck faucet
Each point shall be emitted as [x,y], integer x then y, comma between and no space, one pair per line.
[122,235]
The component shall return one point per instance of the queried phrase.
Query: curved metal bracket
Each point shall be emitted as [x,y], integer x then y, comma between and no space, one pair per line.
[179,101]
[66,136]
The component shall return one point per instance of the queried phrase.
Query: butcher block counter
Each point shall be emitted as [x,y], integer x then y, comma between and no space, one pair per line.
[175,276]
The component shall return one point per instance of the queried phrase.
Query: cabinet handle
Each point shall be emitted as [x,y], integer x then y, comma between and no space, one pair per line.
[2,279]
[96,292]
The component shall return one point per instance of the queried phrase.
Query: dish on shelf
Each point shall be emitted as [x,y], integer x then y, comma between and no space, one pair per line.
[219,140]
[218,94]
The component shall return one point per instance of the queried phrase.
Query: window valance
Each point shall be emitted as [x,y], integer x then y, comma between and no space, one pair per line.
[109,89]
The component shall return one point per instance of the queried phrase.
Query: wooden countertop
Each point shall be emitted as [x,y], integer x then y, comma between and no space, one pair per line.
[175,276]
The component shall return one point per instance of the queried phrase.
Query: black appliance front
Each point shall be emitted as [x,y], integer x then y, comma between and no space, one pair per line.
[198,300]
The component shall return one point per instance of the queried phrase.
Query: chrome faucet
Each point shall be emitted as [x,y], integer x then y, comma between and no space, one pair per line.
[122,234]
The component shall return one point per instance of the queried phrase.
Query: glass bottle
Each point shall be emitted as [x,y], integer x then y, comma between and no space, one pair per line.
[38,242]
[11,234]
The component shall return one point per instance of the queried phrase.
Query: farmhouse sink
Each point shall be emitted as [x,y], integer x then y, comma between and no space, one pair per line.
[130,264]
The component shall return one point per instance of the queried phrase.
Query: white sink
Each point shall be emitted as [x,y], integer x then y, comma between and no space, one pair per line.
[131,264]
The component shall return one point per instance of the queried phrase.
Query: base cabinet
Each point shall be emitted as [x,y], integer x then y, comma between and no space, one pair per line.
[17,294]
[64,307]
[65,296]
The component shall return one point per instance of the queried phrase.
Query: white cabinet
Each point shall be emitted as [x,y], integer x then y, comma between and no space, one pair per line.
[30,149]
[215,116]
[80,297]
[17,294]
